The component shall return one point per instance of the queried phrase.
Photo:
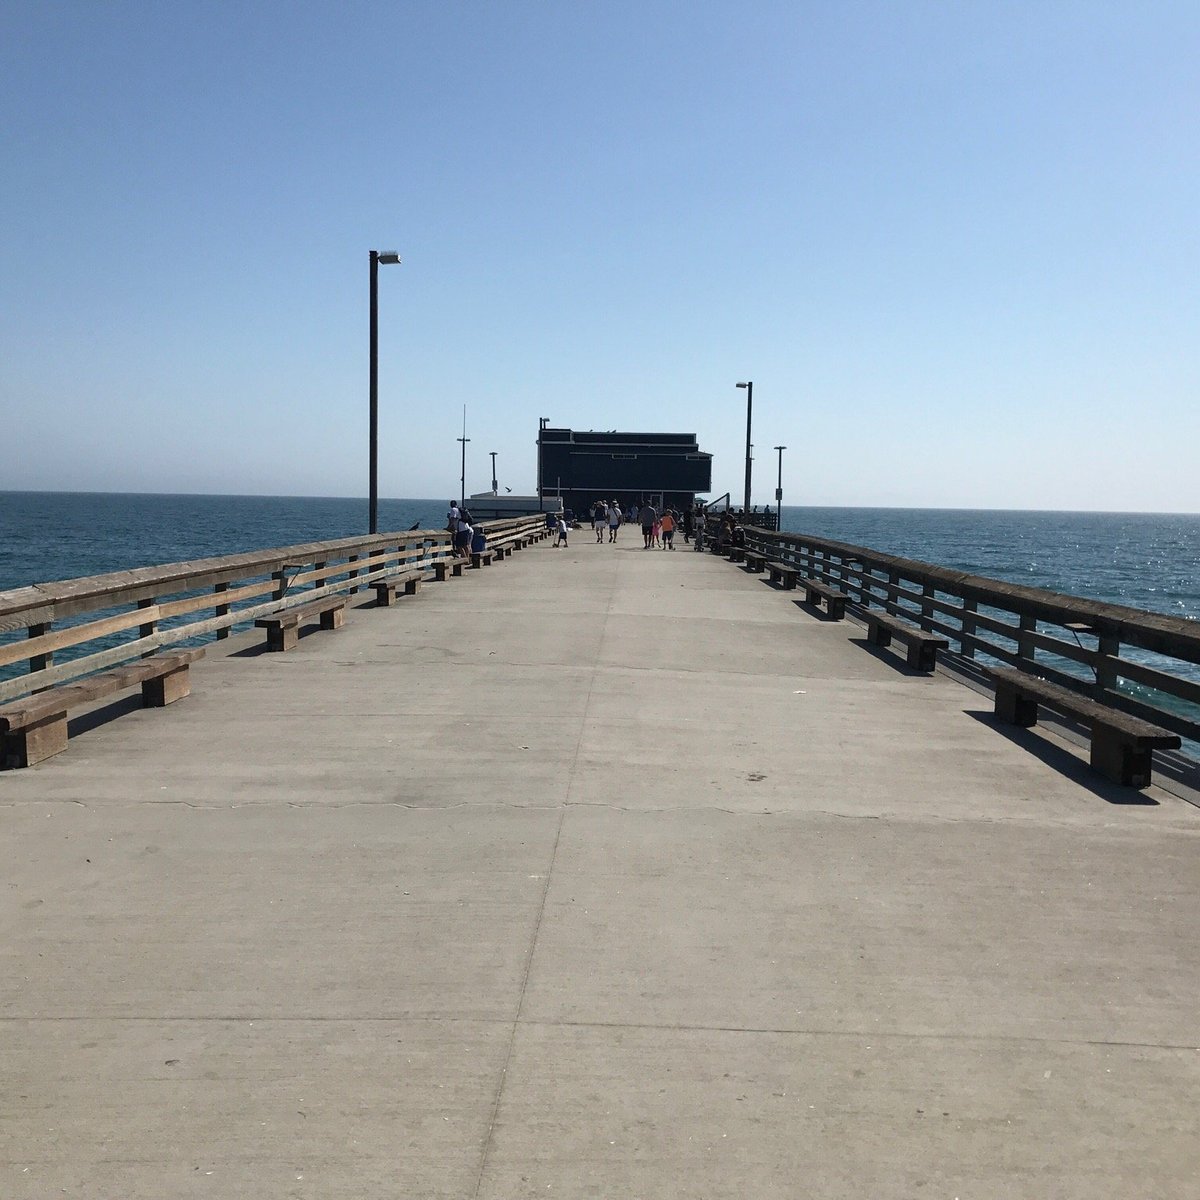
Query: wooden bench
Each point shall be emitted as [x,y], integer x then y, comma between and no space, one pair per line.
[481,558]
[782,573]
[735,553]
[386,589]
[443,568]
[755,561]
[283,629]
[922,646]
[35,727]
[1121,745]
[815,592]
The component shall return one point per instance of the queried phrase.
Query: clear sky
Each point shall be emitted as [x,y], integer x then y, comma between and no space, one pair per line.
[954,245]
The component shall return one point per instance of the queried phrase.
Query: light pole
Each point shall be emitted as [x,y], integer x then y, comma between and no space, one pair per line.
[391,258]
[779,492]
[495,487]
[749,413]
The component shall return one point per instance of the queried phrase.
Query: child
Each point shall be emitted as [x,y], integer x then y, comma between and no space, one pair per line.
[562,532]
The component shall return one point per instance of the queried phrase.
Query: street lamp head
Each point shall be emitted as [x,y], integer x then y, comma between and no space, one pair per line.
[780,447]
[389,257]
[743,385]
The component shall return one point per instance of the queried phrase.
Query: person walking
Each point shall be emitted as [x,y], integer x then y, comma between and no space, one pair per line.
[647,516]
[614,520]
[668,530]
[562,531]
[599,519]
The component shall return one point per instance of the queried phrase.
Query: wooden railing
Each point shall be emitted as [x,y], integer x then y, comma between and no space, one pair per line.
[1140,662]
[90,624]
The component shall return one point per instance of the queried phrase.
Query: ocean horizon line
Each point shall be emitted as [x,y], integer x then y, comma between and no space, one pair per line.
[969,508]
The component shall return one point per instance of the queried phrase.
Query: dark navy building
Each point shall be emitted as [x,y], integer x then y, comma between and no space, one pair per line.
[664,468]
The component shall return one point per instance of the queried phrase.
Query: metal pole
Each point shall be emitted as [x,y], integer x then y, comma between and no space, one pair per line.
[779,492]
[495,487]
[749,414]
[373,470]
[462,482]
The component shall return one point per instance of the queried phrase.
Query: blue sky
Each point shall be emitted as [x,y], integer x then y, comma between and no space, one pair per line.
[954,245]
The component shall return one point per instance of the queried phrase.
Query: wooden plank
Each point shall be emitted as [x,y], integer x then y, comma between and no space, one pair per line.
[24,606]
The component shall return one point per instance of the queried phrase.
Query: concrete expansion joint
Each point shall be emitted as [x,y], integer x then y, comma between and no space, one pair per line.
[406,1018]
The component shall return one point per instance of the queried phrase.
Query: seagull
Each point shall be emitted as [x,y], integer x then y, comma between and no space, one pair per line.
[508,489]
[414,525]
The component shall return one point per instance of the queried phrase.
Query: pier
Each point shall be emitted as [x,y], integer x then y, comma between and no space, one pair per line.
[598,872]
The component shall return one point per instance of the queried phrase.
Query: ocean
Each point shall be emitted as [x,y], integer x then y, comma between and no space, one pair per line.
[1145,560]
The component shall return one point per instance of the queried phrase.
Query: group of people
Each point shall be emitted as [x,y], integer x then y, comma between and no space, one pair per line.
[607,517]
[459,523]
[658,528]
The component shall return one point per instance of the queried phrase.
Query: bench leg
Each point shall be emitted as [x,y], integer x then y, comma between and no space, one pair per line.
[877,635]
[837,609]
[410,588]
[922,656]
[1118,760]
[166,689]
[333,618]
[281,638]
[441,571]
[385,594]
[25,747]
[1014,709]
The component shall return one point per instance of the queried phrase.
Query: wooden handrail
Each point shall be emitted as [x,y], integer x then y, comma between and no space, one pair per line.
[164,605]
[1081,643]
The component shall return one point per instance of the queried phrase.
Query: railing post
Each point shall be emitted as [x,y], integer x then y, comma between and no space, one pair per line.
[1106,673]
[966,644]
[39,662]
[1025,647]
[891,604]
[150,628]
[353,574]
[280,578]
[221,610]
[927,590]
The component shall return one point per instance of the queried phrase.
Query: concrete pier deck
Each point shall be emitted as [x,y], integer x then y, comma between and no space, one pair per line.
[601,873]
